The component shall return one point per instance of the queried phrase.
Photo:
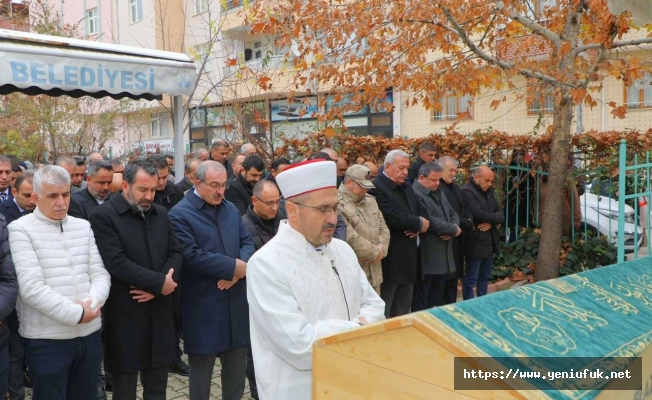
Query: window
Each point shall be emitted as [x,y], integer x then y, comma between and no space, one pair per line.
[536,8]
[160,124]
[639,94]
[201,6]
[452,105]
[136,10]
[540,101]
[92,27]
[202,56]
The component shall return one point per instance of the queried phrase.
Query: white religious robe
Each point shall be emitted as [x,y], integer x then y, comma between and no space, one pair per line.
[295,298]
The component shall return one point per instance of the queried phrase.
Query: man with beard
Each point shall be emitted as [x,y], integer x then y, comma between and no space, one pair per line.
[303,284]
[141,252]
[99,178]
[239,191]
[216,247]
[80,172]
[453,194]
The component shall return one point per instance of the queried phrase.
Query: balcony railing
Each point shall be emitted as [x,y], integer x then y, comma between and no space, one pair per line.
[258,65]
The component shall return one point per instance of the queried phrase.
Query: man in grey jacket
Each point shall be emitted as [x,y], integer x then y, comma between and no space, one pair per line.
[437,250]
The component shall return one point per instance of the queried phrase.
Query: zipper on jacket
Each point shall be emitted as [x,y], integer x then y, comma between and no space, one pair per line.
[72,265]
[61,225]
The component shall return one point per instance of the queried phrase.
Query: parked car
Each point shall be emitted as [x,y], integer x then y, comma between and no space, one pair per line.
[600,215]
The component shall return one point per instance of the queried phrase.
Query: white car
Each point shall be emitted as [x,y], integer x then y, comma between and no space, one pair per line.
[600,214]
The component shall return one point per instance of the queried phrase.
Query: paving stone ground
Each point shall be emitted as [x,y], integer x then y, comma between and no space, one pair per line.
[178,386]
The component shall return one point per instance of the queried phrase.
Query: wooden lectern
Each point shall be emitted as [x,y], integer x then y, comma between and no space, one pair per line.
[605,314]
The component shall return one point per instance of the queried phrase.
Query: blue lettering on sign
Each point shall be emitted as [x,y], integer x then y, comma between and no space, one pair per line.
[141,81]
[126,78]
[70,73]
[87,77]
[19,71]
[37,71]
[52,80]
[40,73]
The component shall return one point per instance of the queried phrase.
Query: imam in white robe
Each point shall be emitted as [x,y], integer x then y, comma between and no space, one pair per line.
[295,298]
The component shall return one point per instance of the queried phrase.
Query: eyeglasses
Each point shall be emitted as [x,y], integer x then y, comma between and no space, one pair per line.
[321,209]
[269,203]
[216,186]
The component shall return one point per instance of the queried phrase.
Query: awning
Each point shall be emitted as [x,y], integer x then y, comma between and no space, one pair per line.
[40,64]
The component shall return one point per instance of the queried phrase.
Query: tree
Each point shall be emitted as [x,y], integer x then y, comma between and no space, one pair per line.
[564,48]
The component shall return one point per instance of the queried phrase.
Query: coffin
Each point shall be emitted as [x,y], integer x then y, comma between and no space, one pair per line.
[595,320]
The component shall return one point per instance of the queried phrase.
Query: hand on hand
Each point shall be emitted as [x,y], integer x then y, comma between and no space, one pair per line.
[363,321]
[425,224]
[240,269]
[380,253]
[140,295]
[224,284]
[411,235]
[169,285]
[459,231]
[484,227]
[89,314]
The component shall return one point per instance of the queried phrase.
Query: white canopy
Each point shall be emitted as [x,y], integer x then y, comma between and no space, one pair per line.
[41,64]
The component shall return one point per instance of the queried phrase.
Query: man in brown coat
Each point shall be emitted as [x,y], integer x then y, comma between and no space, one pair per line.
[367,232]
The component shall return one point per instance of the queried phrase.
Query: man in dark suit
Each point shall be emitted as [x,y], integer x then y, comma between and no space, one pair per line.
[484,241]
[21,204]
[189,170]
[140,250]
[21,201]
[406,216]
[220,150]
[239,191]
[437,249]
[453,194]
[98,182]
[427,153]
[5,179]
[168,194]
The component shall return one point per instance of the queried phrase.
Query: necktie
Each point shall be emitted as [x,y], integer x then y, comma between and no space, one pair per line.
[23,213]
[3,197]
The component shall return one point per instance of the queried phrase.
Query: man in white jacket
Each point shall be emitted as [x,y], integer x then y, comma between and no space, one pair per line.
[303,284]
[62,285]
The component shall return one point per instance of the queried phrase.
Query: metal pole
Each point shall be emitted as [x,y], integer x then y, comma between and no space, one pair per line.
[622,154]
[179,147]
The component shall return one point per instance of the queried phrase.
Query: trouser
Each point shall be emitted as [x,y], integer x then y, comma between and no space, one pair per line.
[251,374]
[64,369]
[397,298]
[428,292]
[16,385]
[154,380]
[176,316]
[450,291]
[233,374]
[478,272]
[4,368]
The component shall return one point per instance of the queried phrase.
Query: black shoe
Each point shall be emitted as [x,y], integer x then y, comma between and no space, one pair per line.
[101,394]
[180,368]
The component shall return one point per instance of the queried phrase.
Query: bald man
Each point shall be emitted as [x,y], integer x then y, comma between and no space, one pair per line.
[483,242]
[331,153]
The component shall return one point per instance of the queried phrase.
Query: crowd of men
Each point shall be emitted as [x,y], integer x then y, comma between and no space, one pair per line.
[104,268]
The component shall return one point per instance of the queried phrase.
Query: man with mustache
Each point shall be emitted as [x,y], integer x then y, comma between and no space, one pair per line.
[97,191]
[141,252]
[303,285]
[216,247]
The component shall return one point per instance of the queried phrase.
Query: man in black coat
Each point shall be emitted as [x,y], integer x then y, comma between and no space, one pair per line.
[406,216]
[140,250]
[427,153]
[220,150]
[453,194]
[5,179]
[239,191]
[168,193]
[262,221]
[21,204]
[98,177]
[8,296]
[483,242]
[189,170]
